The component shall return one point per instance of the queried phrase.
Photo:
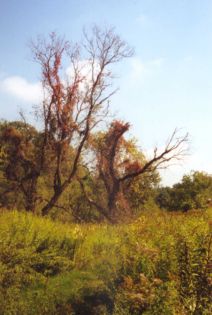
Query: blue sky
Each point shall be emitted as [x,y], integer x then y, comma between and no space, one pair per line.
[166,84]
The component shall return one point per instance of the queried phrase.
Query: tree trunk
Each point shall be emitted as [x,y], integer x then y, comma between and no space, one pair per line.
[30,193]
[112,208]
[45,210]
[50,204]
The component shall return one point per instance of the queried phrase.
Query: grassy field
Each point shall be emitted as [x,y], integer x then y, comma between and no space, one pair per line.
[159,264]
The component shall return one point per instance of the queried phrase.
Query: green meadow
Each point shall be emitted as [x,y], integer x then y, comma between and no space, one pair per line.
[159,264]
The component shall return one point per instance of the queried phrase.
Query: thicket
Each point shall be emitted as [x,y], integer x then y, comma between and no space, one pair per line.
[86,198]
[20,145]
[160,264]
[193,192]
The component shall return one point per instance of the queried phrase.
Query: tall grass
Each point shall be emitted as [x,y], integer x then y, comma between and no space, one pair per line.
[159,264]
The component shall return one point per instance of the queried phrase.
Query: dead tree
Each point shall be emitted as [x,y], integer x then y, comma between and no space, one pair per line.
[74,105]
[113,173]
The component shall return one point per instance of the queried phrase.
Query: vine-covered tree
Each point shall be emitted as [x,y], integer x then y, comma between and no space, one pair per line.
[117,168]
[75,105]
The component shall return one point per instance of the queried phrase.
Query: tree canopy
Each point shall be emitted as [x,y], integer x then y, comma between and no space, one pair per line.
[193,192]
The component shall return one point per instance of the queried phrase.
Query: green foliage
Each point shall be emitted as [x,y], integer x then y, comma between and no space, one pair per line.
[26,183]
[194,271]
[157,265]
[19,159]
[194,192]
[142,190]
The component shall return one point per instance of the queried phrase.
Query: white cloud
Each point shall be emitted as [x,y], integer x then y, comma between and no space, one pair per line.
[140,69]
[22,89]
[85,69]
[29,92]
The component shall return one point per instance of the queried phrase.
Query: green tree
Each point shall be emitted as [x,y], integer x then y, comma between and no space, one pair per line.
[19,164]
[193,192]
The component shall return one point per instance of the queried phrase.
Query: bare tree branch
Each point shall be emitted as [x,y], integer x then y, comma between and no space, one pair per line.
[73,108]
